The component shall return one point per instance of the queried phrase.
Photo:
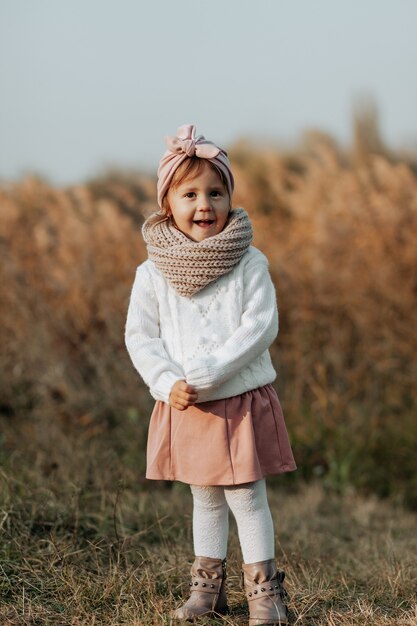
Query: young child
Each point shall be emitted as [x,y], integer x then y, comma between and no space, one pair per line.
[201,318]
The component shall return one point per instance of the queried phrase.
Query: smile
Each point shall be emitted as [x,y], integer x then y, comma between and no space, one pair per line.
[203,223]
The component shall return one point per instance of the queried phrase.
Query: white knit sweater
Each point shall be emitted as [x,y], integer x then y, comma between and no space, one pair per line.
[217,340]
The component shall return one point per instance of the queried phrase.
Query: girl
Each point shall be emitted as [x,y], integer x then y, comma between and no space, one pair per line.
[201,318]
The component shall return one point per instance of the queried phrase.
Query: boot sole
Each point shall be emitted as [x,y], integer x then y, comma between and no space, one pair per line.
[189,620]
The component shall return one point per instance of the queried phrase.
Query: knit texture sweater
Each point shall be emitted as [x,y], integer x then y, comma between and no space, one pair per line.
[216,340]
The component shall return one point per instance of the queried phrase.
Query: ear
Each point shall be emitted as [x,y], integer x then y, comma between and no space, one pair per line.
[165,208]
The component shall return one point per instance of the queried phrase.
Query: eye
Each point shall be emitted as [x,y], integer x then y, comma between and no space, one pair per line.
[190,194]
[215,193]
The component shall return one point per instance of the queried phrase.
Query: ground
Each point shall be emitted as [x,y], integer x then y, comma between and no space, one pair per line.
[123,558]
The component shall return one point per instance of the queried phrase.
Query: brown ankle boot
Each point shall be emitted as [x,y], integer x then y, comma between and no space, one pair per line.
[265,593]
[207,590]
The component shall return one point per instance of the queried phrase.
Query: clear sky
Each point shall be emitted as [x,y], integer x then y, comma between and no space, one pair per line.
[86,84]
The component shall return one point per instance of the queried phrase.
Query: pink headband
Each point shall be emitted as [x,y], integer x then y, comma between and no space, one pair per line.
[186,145]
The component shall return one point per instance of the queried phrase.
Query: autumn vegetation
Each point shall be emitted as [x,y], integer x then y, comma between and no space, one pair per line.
[83,533]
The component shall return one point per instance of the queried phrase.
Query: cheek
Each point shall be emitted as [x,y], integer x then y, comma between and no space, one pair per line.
[181,215]
[223,221]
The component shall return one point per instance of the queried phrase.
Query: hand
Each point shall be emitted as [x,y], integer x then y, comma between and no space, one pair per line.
[182,395]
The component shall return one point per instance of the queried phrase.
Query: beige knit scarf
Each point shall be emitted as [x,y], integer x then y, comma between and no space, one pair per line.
[190,265]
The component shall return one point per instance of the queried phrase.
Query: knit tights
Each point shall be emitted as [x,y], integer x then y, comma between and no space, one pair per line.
[249,505]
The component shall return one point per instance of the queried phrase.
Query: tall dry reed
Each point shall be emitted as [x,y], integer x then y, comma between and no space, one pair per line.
[339,229]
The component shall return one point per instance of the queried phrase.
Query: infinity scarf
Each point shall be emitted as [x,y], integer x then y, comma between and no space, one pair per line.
[191,265]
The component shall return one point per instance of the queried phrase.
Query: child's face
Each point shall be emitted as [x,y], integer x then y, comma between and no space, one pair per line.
[200,206]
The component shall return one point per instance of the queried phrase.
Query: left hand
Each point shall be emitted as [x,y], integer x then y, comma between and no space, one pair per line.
[182,395]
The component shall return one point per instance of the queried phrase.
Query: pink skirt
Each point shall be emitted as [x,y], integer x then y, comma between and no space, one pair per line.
[223,442]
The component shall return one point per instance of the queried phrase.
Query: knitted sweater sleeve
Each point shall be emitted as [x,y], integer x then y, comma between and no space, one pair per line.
[257,330]
[143,342]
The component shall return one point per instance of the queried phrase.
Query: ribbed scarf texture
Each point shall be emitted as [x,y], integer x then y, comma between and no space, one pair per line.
[191,265]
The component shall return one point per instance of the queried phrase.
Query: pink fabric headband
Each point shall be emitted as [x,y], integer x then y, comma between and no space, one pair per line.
[186,144]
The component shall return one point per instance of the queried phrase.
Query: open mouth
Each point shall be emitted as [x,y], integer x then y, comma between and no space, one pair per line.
[204,223]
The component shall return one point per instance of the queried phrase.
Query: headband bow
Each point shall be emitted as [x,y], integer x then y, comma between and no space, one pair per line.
[185,145]
[187,142]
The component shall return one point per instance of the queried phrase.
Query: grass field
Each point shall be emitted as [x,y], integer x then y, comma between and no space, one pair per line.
[71,556]
[84,540]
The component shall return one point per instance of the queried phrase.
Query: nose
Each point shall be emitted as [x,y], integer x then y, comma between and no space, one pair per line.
[204,202]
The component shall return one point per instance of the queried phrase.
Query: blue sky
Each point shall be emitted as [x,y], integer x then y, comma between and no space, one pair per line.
[89,84]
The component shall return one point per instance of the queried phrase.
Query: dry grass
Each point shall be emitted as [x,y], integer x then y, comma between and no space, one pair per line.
[339,230]
[83,541]
[122,555]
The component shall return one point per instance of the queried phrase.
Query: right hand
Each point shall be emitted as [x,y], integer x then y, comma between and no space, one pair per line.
[182,395]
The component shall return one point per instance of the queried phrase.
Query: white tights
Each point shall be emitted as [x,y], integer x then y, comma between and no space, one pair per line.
[249,505]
